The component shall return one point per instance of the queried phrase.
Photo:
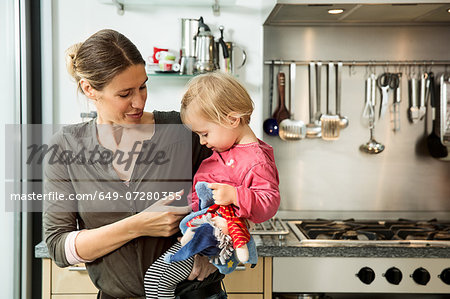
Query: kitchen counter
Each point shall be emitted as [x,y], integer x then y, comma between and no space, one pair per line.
[271,246]
[41,251]
[291,247]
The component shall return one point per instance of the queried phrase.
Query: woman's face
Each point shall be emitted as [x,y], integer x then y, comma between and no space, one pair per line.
[122,101]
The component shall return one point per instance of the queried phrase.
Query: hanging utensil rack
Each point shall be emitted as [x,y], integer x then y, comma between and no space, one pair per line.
[384,63]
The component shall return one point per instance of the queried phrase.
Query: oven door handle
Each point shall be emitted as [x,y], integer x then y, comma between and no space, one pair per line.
[240,268]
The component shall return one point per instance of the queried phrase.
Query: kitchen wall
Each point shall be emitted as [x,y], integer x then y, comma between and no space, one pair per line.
[149,25]
[315,175]
[318,175]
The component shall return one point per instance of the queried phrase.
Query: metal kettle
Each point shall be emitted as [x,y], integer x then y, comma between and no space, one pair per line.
[204,49]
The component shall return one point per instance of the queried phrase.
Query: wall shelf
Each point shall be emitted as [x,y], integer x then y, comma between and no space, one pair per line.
[214,4]
[169,75]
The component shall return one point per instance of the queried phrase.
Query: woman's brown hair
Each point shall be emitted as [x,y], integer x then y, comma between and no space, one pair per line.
[101,57]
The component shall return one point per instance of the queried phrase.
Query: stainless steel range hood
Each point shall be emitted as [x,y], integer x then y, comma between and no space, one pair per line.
[363,12]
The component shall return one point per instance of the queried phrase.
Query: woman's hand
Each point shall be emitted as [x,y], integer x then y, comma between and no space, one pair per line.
[158,224]
[223,194]
[160,219]
[202,268]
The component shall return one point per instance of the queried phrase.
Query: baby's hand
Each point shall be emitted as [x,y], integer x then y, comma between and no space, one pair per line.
[223,194]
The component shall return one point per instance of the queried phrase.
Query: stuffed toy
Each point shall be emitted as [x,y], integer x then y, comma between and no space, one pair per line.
[215,231]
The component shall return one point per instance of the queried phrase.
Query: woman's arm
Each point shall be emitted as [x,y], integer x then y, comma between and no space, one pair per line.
[60,218]
[94,243]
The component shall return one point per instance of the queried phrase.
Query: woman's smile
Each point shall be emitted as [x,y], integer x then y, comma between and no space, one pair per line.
[135,115]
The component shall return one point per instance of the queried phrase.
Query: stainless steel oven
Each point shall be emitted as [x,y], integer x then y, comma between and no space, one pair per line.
[361,257]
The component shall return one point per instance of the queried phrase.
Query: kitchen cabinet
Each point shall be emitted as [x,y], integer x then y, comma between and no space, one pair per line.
[249,282]
[65,283]
[245,296]
[77,296]
[74,282]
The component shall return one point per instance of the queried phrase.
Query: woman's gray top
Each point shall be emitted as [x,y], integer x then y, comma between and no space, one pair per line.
[81,167]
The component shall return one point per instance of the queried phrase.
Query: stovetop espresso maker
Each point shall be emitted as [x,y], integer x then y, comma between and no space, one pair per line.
[201,53]
[204,49]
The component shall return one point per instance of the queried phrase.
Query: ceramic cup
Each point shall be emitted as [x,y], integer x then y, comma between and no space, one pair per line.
[156,50]
[167,61]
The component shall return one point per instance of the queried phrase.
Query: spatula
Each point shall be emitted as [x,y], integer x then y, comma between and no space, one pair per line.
[313,129]
[281,111]
[414,109]
[330,122]
[435,147]
[291,129]
[318,113]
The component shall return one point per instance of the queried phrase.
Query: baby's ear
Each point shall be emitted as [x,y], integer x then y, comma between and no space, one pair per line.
[234,119]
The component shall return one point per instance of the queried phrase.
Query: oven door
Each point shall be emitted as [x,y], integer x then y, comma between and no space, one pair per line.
[359,275]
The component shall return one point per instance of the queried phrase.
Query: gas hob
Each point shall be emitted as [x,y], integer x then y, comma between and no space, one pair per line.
[350,232]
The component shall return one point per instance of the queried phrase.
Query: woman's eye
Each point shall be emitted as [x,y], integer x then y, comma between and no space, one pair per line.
[124,95]
[143,87]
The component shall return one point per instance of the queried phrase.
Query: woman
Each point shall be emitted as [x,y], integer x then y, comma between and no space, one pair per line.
[132,164]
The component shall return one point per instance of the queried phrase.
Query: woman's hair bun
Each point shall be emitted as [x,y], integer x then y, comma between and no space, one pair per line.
[71,55]
[100,58]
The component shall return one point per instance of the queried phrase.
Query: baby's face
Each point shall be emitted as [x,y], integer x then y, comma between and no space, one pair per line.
[215,136]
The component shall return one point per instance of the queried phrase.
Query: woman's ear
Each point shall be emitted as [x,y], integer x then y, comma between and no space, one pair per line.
[234,119]
[87,89]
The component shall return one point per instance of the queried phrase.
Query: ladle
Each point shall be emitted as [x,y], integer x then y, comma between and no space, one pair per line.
[270,125]
[343,119]
[372,146]
[313,129]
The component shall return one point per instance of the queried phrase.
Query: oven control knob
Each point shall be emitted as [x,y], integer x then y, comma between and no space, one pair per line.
[366,275]
[393,275]
[421,276]
[445,276]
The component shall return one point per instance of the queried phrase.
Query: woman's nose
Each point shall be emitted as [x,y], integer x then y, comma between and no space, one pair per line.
[138,101]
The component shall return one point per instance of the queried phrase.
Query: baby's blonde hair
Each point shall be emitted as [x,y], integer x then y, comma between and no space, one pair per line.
[216,95]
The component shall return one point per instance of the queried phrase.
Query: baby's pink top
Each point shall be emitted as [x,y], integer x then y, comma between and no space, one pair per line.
[251,169]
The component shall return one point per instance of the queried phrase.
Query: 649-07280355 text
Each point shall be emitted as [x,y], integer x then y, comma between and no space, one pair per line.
[103,196]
